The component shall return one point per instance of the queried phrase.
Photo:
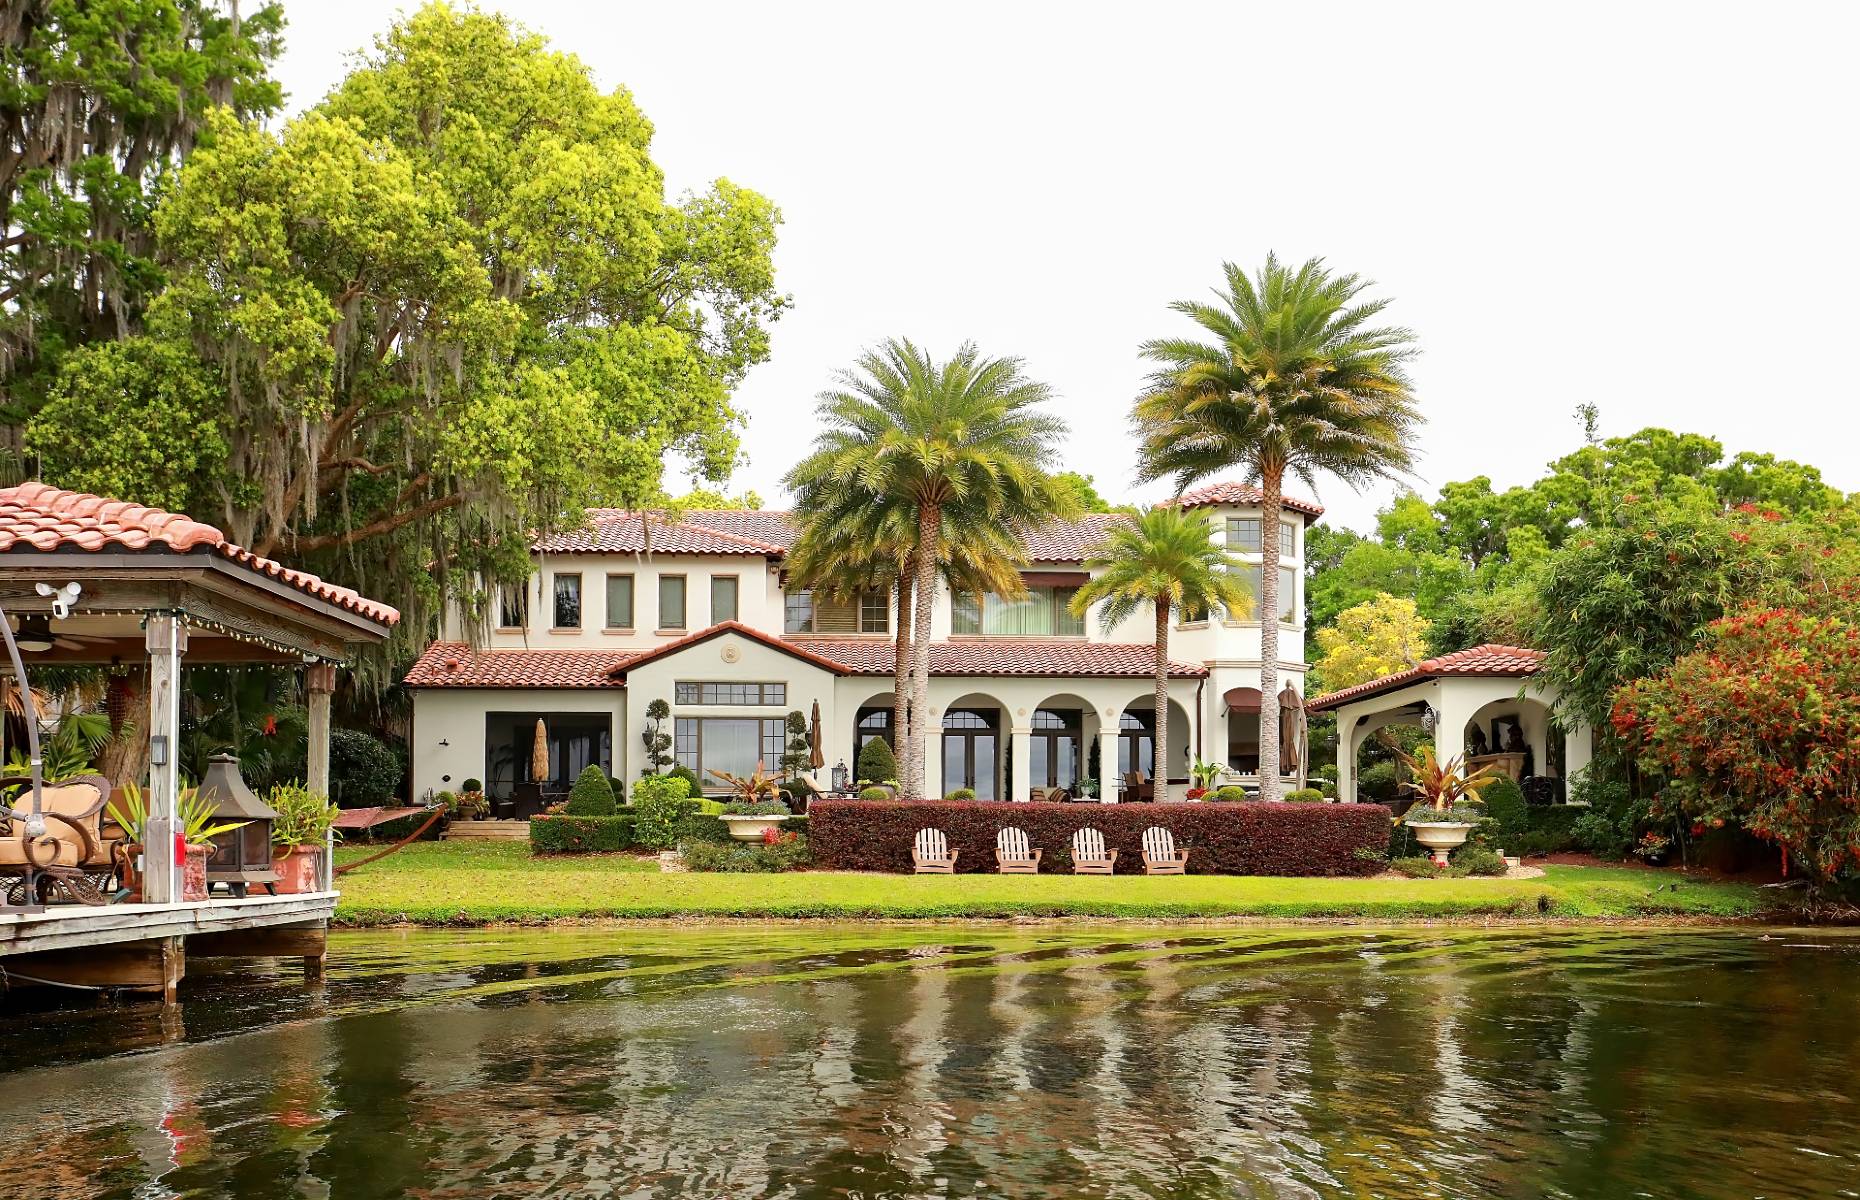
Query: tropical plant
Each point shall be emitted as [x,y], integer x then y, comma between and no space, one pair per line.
[304,817]
[1203,773]
[1166,560]
[1296,379]
[1445,791]
[130,811]
[69,752]
[194,818]
[963,439]
[752,789]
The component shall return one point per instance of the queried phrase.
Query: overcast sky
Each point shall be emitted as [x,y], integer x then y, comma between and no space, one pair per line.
[1650,207]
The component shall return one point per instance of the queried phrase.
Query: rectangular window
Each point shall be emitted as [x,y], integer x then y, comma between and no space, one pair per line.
[1045,612]
[1288,592]
[513,605]
[568,601]
[798,612]
[619,602]
[671,602]
[1243,535]
[874,612]
[687,692]
[722,598]
[1285,540]
[731,744]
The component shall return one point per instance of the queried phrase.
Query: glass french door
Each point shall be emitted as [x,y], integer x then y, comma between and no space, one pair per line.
[971,752]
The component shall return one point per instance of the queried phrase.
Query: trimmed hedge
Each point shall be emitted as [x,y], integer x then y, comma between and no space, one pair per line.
[562,834]
[1252,838]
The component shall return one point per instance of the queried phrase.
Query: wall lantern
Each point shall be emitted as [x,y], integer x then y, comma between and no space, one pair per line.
[841,777]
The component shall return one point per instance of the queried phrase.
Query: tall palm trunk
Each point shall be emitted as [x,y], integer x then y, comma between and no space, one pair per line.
[1272,480]
[901,666]
[929,532]
[1159,758]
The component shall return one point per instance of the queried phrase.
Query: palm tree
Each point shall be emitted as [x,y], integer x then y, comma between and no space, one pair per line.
[1296,379]
[1166,559]
[958,442]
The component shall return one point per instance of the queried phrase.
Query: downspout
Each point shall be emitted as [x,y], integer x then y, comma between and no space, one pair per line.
[1200,716]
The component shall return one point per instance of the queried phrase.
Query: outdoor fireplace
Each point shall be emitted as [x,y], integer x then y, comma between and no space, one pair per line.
[240,857]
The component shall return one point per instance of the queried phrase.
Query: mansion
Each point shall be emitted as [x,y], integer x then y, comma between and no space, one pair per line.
[697,612]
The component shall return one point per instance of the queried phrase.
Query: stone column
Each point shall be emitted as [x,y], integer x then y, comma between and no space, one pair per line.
[319,684]
[1021,786]
[1578,750]
[933,759]
[1108,779]
[1346,756]
[166,639]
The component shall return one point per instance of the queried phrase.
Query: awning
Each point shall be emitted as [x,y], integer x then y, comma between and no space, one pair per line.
[1055,578]
[1241,699]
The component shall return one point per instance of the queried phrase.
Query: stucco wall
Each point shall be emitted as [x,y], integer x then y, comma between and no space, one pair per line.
[455,716]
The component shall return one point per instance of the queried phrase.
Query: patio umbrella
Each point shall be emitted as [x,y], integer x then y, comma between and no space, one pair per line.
[815,759]
[1291,731]
[539,753]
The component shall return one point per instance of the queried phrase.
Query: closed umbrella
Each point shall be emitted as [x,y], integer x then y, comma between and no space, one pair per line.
[815,759]
[539,754]
[1292,732]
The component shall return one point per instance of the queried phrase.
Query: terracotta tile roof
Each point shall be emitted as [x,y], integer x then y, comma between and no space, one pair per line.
[617,531]
[769,525]
[1069,541]
[803,653]
[1242,493]
[37,516]
[1004,656]
[458,665]
[1490,660]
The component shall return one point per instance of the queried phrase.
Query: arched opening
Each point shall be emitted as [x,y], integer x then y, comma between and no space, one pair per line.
[1136,749]
[972,751]
[1062,746]
[1517,738]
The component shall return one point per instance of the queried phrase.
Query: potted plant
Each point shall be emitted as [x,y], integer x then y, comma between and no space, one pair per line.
[305,818]
[1201,777]
[1445,811]
[196,826]
[130,812]
[470,805]
[752,808]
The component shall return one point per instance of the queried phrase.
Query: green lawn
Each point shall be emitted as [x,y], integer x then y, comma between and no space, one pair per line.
[476,882]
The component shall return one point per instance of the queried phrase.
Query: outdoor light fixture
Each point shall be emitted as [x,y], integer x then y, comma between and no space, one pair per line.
[841,778]
[240,856]
[158,750]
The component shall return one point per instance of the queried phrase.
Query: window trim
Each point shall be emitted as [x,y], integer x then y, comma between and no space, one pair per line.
[788,598]
[736,598]
[684,617]
[555,598]
[769,730]
[763,689]
[632,602]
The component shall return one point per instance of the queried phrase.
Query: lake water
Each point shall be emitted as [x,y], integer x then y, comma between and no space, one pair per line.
[1050,1061]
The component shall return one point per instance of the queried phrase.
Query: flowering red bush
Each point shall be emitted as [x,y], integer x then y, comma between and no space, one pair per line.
[1222,839]
[1760,725]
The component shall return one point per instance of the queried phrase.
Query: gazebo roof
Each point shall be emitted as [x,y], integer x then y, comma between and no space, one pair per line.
[1491,661]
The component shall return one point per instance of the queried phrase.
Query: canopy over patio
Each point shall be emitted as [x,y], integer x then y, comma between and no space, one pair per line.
[1485,703]
[92,581]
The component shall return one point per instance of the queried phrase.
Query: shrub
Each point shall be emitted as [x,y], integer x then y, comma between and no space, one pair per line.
[1327,788]
[398,828]
[876,762]
[565,834]
[1307,795]
[874,793]
[472,785]
[961,794]
[661,802]
[784,855]
[1477,860]
[363,769]
[1249,838]
[795,825]
[445,799]
[1233,793]
[1506,812]
[591,796]
[1378,782]
[754,808]
[693,785]
[1417,866]
[700,827]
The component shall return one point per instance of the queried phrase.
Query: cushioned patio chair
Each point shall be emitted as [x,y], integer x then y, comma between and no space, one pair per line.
[931,855]
[1089,857]
[1137,789]
[1012,854]
[1160,857]
[76,850]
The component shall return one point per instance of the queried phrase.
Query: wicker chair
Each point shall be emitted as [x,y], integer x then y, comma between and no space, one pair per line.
[76,851]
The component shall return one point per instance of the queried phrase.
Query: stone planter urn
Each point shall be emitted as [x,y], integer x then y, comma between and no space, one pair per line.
[751,828]
[1440,837]
[297,868]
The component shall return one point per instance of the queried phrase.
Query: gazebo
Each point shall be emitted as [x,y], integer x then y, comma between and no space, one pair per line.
[99,582]
[1485,703]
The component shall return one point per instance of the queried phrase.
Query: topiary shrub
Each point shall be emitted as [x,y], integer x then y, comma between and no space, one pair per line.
[876,762]
[363,769]
[564,834]
[661,802]
[591,796]
[701,827]
[1233,793]
[1309,795]
[1506,813]
[961,794]
[874,793]
[472,785]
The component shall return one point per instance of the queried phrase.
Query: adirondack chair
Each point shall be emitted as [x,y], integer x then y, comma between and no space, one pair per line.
[931,855]
[1160,857]
[1089,857]
[1013,855]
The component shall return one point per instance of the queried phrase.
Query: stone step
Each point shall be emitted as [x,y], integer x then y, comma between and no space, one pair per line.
[468,830]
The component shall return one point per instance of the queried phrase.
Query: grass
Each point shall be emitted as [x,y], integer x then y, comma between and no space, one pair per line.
[440,883]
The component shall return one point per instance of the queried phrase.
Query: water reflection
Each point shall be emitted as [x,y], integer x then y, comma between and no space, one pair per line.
[815,1061]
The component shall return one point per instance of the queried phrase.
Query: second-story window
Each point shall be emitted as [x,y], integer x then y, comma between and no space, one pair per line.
[1243,536]
[568,601]
[671,602]
[722,598]
[1045,612]
[874,612]
[798,612]
[513,605]
[619,602]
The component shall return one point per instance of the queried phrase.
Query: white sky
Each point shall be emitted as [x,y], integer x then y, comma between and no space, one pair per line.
[1650,207]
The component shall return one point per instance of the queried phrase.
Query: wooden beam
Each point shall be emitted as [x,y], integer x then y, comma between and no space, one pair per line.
[70,926]
[150,966]
[277,941]
[167,642]
[319,684]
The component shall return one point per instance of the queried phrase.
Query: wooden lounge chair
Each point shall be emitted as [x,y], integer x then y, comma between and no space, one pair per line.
[1012,854]
[931,855]
[1137,789]
[1160,857]
[75,850]
[1089,857]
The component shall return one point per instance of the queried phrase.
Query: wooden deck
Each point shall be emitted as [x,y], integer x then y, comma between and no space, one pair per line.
[71,926]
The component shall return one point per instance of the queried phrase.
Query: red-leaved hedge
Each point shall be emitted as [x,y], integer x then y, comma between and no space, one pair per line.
[1222,839]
